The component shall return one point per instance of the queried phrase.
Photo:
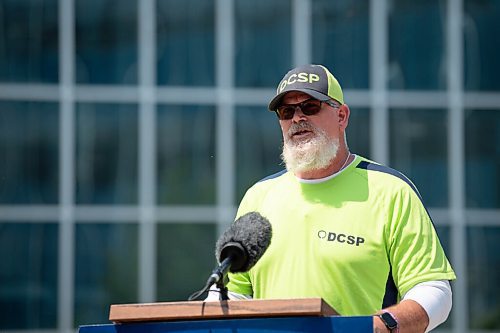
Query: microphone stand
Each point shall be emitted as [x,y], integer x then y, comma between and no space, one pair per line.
[223,279]
[219,277]
[222,288]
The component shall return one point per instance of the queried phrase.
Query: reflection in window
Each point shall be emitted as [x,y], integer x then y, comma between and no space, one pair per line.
[106,269]
[185,259]
[340,40]
[29,41]
[106,41]
[482,158]
[358,132]
[29,135]
[417,60]
[263,42]
[186,43]
[418,149]
[28,275]
[481,31]
[484,273]
[106,154]
[186,154]
[258,146]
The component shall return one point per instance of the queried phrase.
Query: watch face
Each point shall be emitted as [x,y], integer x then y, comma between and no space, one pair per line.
[389,320]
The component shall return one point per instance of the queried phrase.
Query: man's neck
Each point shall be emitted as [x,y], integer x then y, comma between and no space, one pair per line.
[343,158]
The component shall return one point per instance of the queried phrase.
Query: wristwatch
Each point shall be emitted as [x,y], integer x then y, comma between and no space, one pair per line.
[389,321]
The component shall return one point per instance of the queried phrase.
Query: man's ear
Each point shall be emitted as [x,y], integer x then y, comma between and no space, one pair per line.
[344,113]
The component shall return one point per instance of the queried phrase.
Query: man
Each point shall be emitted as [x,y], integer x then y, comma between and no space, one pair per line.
[344,228]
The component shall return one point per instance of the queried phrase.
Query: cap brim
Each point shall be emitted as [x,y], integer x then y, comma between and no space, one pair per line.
[275,102]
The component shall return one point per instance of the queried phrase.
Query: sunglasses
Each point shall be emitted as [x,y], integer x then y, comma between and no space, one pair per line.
[309,107]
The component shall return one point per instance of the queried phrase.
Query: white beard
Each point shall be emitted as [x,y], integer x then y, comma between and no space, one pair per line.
[311,154]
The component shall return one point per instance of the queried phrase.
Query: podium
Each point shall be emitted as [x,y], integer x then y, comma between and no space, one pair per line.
[242,316]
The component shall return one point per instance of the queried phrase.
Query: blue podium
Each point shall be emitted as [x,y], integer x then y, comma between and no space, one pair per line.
[261,316]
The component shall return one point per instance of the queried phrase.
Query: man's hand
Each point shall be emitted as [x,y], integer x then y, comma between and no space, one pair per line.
[411,317]
[379,326]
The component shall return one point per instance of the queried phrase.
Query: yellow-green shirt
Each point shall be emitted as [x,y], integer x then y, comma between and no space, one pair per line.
[353,240]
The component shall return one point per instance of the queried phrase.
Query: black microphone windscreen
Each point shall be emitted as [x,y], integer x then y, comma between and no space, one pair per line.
[253,231]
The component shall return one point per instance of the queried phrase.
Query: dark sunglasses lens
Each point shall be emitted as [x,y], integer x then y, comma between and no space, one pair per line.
[286,112]
[310,108]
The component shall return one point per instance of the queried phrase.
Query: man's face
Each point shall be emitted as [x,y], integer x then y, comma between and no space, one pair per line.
[327,120]
[309,142]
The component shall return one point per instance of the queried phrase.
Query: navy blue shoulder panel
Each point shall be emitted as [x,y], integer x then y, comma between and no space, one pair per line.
[391,292]
[275,175]
[381,168]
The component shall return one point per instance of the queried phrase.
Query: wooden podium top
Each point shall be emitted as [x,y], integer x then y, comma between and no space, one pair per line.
[200,310]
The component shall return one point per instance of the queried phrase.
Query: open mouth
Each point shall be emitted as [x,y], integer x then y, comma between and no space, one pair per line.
[301,133]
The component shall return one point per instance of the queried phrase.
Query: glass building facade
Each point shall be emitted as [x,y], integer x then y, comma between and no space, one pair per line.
[130,130]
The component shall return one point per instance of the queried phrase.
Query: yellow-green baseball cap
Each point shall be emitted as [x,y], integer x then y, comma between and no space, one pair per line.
[314,80]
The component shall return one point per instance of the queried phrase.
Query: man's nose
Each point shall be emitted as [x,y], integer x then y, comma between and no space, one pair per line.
[298,115]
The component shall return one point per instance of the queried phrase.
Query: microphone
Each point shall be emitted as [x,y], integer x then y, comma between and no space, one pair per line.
[238,249]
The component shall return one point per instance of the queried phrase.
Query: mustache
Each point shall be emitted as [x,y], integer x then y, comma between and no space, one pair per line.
[301,126]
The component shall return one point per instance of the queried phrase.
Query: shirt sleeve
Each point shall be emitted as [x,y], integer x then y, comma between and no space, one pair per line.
[414,249]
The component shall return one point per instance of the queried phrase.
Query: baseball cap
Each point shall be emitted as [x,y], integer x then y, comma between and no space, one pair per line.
[314,80]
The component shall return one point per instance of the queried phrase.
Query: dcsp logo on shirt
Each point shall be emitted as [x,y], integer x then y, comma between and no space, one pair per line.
[341,238]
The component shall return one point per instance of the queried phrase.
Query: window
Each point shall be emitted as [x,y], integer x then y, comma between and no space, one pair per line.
[262,42]
[480,53]
[186,42]
[186,155]
[419,150]
[106,269]
[186,258]
[482,158]
[28,275]
[106,154]
[417,60]
[484,274]
[340,40]
[29,41]
[106,41]
[29,148]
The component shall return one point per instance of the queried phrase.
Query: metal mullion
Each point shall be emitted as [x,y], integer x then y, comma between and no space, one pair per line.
[29,92]
[482,100]
[417,99]
[483,217]
[261,96]
[31,213]
[106,93]
[186,95]
[379,122]
[456,151]
[301,32]
[147,149]
[225,122]
[200,214]
[66,248]
[108,213]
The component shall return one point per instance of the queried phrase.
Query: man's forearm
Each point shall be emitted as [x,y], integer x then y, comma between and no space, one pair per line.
[411,318]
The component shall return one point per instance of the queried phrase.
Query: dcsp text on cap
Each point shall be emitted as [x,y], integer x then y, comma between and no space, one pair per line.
[314,80]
